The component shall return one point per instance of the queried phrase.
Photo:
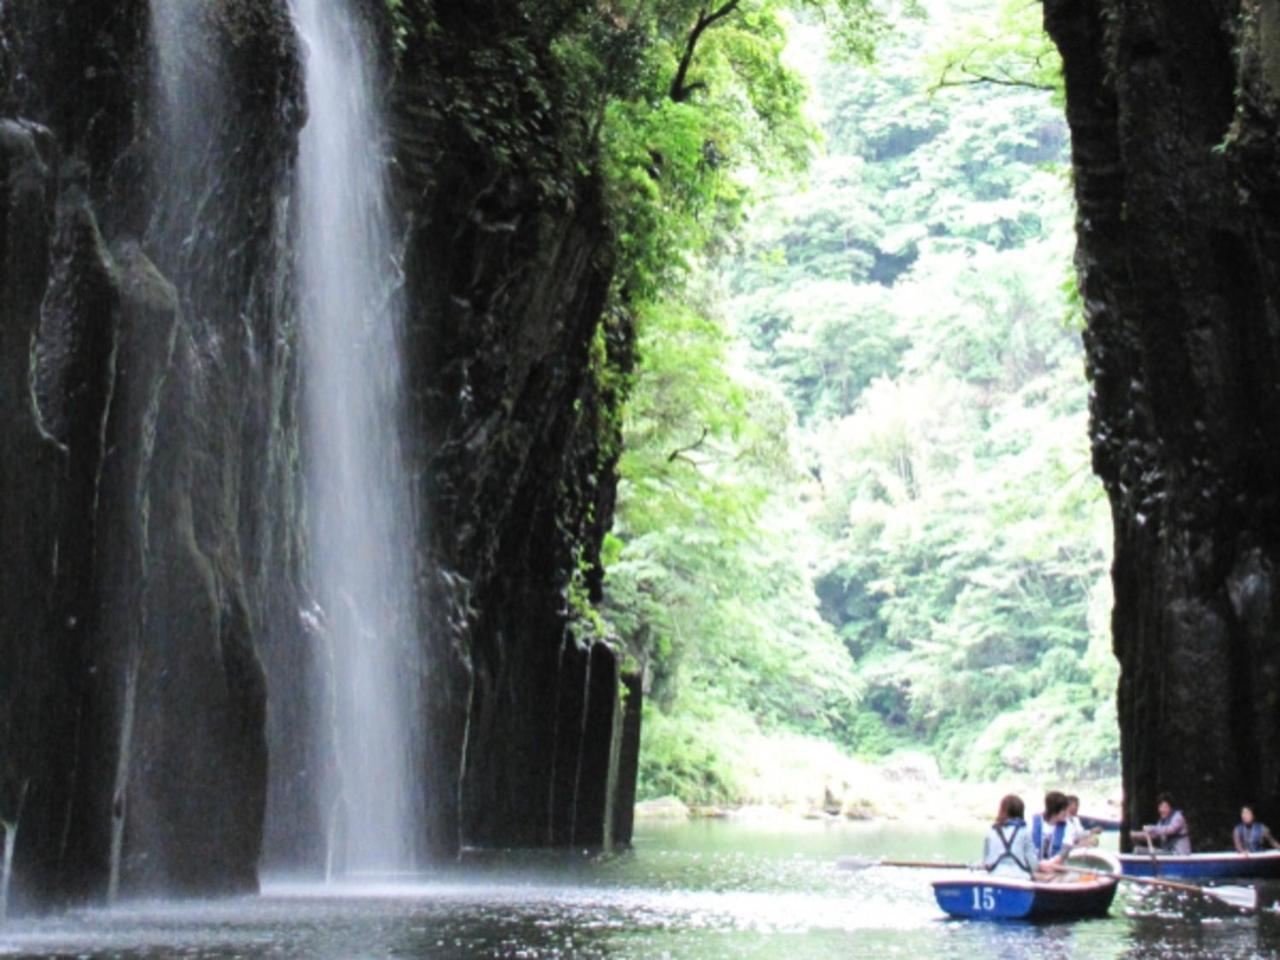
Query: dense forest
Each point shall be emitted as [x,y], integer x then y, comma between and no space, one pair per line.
[856,502]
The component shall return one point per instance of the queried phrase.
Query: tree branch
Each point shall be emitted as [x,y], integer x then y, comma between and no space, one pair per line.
[679,452]
[973,78]
[680,88]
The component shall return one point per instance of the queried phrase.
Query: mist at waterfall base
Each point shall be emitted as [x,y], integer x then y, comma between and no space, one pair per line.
[361,513]
[696,891]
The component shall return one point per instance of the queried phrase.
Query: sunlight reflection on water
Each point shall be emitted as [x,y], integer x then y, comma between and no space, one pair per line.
[696,891]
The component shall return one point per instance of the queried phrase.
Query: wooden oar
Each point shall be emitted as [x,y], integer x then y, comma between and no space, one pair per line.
[1242,898]
[863,863]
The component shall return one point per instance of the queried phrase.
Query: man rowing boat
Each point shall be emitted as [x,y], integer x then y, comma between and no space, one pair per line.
[1170,834]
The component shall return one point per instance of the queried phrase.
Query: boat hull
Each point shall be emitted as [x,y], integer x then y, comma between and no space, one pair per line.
[1203,866]
[997,898]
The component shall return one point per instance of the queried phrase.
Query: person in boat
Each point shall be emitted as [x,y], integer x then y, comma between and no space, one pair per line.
[1076,834]
[1008,849]
[1250,836]
[1171,834]
[1049,829]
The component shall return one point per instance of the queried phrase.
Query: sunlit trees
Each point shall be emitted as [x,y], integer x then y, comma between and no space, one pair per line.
[856,496]
[966,540]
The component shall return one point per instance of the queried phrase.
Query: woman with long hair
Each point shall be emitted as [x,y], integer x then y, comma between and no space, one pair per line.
[1008,848]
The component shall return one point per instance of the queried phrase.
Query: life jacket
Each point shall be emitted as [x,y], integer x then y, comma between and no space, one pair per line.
[1051,845]
[1007,842]
[1250,836]
[1168,839]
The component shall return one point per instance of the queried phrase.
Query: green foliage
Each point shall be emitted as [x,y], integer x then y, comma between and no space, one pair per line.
[673,165]
[693,753]
[855,500]
[943,406]
[1007,49]
[710,584]
[706,583]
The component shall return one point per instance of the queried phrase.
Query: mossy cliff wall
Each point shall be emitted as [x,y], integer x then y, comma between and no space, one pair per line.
[153,637]
[1176,142]
[508,265]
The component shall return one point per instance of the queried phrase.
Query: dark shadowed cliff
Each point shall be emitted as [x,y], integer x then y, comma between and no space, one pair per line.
[1173,110]
[147,438]
[157,663]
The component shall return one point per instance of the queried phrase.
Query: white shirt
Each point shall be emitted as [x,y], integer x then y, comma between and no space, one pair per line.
[1018,835]
[1074,833]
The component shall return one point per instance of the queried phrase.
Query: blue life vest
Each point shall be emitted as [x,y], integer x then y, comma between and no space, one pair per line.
[1250,837]
[1051,845]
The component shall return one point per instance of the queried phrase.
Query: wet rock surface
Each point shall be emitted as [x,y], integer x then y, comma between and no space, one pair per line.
[508,268]
[156,635]
[146,476]
[1174,120]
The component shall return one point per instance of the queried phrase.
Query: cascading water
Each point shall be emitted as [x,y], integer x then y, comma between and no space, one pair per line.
[9,828]
[6,867]
[360,508]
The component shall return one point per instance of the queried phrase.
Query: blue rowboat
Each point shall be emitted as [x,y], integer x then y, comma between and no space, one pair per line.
[984,896]
[1203,866]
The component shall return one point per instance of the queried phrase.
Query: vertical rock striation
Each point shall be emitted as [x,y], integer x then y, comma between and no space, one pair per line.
[148,434]
[1175,116]
[508,267]
[156,623]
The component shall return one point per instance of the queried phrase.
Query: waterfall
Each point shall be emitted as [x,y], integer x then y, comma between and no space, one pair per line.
[10,830]
[120,796]
[6,868]
[360,510]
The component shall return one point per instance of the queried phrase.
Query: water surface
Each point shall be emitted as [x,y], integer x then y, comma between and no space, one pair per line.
[698,891]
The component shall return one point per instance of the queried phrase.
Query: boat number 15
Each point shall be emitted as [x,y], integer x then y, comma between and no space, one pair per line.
[984,898]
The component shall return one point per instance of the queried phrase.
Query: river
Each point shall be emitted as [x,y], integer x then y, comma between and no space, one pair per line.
[701,891]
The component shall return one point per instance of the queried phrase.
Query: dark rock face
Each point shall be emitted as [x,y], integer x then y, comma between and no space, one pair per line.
[508,271]
[147,432]
[152,529]
[1174,115]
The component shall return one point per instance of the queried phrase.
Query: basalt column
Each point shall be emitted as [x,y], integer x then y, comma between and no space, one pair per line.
[146,438]
[1173,107]
[508,267]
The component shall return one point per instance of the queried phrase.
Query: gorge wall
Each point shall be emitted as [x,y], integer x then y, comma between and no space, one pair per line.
[508,266]
[1173,108]
[146,443]
[158,654]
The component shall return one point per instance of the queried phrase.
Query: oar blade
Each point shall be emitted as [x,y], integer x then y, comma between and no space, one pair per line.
[856,863]
[1242,898]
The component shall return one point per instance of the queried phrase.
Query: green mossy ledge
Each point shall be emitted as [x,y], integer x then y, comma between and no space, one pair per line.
[1175,147]
[153,527]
